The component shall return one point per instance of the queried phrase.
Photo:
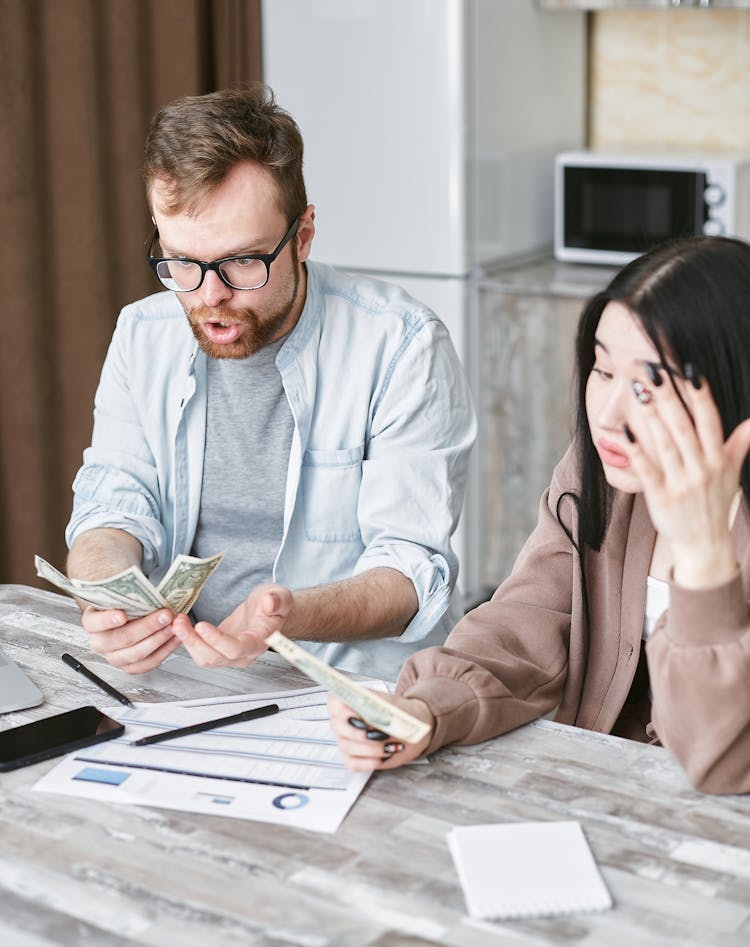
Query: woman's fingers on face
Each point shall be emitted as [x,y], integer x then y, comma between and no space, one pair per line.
[664,423]
[708,427]
[691,416]
[684,426]
[656,414]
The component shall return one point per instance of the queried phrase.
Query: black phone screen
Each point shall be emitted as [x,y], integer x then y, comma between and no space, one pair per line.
[56,735]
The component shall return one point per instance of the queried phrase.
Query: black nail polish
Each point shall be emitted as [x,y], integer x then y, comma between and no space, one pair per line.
[691,375]
[393,747]
[654,374]
[356,722]
[376,735]
[628,433]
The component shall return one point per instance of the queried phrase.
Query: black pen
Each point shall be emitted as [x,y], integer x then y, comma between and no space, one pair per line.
[82,669]
[264,711]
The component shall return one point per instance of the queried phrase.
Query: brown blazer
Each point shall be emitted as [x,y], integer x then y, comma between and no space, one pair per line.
[523,654]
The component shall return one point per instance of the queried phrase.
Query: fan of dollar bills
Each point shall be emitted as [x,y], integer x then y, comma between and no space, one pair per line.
[131,591]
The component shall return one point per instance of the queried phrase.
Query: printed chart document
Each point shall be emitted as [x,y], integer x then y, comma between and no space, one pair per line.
[283,768]
[526,869]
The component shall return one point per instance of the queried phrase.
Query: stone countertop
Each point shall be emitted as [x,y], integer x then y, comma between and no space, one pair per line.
[546,276]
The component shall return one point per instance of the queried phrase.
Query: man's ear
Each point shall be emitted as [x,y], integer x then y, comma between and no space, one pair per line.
[305,233]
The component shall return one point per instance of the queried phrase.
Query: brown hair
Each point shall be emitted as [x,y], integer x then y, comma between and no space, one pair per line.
[195,141]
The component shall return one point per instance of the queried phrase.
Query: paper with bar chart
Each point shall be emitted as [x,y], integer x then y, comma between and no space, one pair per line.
[283,768]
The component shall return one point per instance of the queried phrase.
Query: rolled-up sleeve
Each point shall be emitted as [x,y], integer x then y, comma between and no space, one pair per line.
[414,471]
[117,486]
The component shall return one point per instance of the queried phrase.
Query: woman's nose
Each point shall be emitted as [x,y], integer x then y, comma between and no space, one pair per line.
[613,411]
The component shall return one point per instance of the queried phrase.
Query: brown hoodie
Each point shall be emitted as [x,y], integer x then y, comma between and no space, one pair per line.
[523,654]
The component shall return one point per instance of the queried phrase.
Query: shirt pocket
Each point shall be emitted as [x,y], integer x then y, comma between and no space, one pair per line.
[330,493]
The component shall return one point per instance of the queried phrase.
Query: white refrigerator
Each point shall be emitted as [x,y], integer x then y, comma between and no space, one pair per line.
[430,129]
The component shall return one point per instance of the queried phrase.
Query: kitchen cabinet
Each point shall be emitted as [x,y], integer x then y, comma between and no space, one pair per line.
[528,316]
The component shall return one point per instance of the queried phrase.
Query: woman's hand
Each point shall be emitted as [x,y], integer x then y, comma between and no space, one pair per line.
[365,748]
[689,474]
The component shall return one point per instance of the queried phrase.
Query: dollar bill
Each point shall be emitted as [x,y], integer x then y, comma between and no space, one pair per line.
[92,593]
[132,592]
[373,708]
[187,575]
[131,585]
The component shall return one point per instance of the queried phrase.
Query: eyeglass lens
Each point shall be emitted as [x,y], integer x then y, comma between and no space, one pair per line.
[184,276]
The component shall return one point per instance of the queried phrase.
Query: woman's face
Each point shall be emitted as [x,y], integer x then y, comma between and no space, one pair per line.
[621,351]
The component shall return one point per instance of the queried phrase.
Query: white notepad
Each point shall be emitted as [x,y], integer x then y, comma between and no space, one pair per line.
[526,869]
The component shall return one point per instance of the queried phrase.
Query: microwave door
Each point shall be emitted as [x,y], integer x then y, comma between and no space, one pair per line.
[621,212]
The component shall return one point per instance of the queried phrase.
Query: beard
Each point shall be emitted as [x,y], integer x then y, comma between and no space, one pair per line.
[261,325]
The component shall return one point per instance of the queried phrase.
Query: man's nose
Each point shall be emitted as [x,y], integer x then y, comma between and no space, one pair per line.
[212,291]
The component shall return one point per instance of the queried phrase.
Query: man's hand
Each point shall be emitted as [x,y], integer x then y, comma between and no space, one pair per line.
[240,638]
[133,646]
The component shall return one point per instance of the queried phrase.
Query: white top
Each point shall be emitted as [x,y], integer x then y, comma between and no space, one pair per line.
[657,602]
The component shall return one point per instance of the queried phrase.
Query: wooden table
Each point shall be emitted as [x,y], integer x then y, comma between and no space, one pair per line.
[79,873]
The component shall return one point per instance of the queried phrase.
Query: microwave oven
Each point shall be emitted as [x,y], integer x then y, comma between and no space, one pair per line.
[611,207]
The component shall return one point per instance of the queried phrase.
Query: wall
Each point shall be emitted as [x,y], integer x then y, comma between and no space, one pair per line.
[676,78]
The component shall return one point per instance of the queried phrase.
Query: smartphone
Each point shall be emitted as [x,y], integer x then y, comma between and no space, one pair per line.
[55,736]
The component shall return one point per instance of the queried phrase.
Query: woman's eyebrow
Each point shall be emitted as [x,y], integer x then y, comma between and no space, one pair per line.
[636,361]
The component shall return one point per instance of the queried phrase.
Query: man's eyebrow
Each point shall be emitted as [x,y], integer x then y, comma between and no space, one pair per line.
[248,250]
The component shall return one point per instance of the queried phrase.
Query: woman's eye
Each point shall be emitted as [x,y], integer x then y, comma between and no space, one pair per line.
[244,260]
[184,264]
[605,375]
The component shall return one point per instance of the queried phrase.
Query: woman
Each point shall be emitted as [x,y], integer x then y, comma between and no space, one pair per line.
[627,609]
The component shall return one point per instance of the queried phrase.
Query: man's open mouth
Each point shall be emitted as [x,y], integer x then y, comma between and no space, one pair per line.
[221,333]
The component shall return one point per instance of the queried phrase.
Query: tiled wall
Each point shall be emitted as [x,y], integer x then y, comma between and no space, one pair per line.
[676,78]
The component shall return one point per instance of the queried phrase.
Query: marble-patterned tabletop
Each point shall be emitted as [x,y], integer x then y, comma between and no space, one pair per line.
[78,873]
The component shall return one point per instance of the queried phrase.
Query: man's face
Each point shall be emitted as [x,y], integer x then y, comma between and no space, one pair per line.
[242,215]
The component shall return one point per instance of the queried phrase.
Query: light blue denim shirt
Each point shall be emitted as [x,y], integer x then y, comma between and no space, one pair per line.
[384,424]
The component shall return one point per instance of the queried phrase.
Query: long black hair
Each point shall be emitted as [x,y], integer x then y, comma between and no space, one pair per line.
[692,299]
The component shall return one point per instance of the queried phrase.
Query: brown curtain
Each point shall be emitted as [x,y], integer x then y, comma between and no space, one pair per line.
[79,82]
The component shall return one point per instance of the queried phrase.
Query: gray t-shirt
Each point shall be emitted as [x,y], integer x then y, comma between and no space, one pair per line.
[249,429]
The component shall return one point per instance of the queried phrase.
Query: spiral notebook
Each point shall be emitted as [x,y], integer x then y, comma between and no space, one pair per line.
[526,869]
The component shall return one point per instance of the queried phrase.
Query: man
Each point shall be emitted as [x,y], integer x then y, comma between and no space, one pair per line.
[314,425]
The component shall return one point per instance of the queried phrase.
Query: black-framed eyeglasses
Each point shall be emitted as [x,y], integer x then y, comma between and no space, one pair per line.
[246,271]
